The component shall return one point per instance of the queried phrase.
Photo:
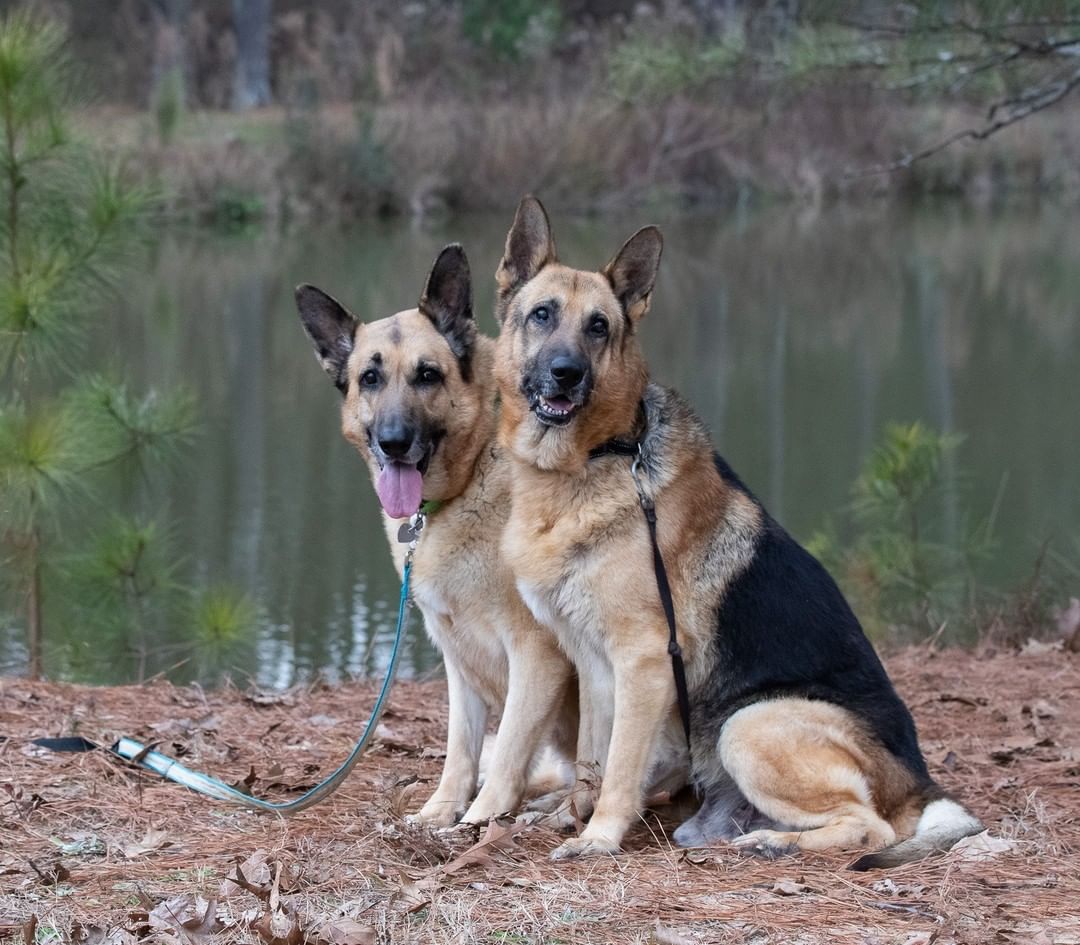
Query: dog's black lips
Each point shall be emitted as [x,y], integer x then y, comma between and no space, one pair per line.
[547,417]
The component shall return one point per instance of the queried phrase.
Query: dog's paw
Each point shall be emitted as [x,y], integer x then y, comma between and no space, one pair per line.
[584,846]
[435,814]
[769,844]
[459,831]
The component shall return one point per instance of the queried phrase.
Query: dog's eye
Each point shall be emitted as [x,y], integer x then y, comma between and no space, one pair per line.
[369,378]
[540,314]
[428,375]
[598,326]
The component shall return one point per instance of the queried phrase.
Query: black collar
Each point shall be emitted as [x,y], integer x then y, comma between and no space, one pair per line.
[620,447]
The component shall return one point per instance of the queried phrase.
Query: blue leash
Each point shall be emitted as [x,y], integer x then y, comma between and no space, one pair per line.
[172,769]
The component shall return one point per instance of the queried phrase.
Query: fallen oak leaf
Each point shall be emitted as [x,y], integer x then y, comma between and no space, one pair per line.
[51,875]
[497,838]
[154,840]
[346,932]
[409,897]
[192,916]
[244,786]
[982,846]
[280,927]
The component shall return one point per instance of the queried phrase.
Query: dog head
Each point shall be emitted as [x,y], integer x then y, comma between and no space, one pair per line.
[416,385]
[570,367]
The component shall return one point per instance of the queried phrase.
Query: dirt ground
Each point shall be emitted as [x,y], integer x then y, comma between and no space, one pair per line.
[93,850]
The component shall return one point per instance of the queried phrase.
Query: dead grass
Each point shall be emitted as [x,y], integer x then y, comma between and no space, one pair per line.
[585,152]
[96,850]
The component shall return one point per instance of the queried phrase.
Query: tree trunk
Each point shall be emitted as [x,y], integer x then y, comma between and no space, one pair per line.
[170,48]
[251,83]
[33,606]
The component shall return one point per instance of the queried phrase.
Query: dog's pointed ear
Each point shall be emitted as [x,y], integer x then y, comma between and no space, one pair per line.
[447,301]
[529,247]
[331,328]
[632,273]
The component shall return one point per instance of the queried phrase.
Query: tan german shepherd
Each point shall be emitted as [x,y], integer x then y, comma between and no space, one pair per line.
[797,730]
[419,405]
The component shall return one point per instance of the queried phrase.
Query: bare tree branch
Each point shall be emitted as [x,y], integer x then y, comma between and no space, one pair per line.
[1020,107]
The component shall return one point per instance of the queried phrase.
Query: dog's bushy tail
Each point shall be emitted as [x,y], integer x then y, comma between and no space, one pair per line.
[943,822]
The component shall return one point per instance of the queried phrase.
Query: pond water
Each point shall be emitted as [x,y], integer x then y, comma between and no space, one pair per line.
[797,336]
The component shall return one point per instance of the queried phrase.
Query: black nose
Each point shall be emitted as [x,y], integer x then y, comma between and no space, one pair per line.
[395,440]
[567,371]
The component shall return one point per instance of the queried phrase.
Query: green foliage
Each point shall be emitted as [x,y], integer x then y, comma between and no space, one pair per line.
[900,566]
[648,67]
[69,225]
[511,29]
[221,617]
[39,463]
[118,425]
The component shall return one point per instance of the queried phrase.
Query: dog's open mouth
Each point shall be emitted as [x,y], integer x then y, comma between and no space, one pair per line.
[400,486]
[555,411]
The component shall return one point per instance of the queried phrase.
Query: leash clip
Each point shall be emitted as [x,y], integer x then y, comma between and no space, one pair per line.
[635,472]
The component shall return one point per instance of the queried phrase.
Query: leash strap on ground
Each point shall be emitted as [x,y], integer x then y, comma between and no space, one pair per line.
[170,768]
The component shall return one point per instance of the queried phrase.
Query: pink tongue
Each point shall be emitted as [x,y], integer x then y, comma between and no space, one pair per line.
[400,488]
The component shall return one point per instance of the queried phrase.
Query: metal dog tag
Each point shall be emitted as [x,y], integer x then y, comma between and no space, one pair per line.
[406,534]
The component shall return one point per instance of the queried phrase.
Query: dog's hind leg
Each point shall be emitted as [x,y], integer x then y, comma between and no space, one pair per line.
[464,742]
[805,764]
[539,681]
[724,815]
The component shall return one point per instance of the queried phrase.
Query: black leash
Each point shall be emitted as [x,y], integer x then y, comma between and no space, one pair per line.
[617,447]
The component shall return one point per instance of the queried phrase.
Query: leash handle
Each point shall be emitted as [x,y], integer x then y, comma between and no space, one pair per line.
[663,587]
[172,769]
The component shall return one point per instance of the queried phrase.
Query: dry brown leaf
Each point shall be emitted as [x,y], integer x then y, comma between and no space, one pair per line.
[982,846]
[497,838]
[346,932]
[788,887]
[663,935]
[154,840]
[279,927]
[191,916]
[409,897]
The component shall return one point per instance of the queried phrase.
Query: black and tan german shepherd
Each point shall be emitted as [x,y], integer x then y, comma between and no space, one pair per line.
[797,730]
[419,405]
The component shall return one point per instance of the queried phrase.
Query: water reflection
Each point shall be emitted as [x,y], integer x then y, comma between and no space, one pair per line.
[797,338]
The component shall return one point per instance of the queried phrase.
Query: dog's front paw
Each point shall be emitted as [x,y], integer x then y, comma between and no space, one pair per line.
[766,843]
[460,831]
[584,846]
[436,813]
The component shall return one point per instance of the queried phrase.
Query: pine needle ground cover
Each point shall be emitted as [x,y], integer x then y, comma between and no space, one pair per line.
[93,850]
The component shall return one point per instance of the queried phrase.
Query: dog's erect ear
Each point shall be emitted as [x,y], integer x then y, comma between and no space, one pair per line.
[632,273]
[447,301]
[330,328]
[529,247]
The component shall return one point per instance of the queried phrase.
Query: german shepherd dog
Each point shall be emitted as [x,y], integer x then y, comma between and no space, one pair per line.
[419,405]
[796,729]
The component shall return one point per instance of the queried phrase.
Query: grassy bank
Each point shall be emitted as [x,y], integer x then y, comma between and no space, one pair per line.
[95,851]
[589,154]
